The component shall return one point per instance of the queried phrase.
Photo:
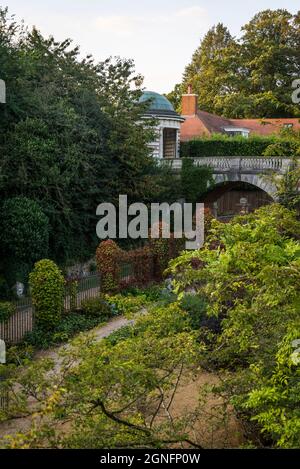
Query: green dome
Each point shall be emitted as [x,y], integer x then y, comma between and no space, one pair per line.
[157,102]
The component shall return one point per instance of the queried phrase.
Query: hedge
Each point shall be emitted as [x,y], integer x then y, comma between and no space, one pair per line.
[47,286]
[147,263]
[222,145]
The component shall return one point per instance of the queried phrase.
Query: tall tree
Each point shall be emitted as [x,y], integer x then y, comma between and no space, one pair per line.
[252,76]
[208,70]
[71,134]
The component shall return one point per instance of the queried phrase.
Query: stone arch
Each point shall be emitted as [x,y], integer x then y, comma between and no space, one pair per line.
[253,179]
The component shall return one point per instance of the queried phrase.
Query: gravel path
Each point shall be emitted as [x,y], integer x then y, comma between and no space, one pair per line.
[99,333]
[22,424]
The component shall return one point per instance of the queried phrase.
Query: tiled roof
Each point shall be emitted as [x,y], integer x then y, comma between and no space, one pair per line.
[204,123]
[265,126]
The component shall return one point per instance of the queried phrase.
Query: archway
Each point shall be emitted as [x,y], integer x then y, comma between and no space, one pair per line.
[229,198]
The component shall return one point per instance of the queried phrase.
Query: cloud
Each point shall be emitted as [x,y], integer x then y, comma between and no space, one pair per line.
[120,25]
[192,12]
[125,25]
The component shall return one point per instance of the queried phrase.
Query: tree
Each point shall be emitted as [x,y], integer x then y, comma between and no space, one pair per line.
[24,237]
[113,393]
[208,72]
[271,58]
[287,186]
[248,275]
[175,96]
[71,134]
[250,77]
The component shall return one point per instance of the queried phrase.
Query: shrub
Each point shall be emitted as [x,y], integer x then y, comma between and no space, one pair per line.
[7,309]
[153,292]
[275,401]
[163,250]
[97,307]
[47,290]
[196,307]
[281,149]
[140,262]
[126,304]
[119,335]
[72,291]
[107,256]
[70,325]
[20,354]
[251,285]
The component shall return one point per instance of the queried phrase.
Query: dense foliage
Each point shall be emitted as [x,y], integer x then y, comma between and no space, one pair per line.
[222,145]
[252,282]
[24,237]
[235,316]
[92,313]
[7,309]
[195,180]
[97,307]
[247,77]
[114,393]
[120,269]
[71,135]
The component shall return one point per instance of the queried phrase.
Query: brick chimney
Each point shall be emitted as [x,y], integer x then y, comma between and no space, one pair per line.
[189,103]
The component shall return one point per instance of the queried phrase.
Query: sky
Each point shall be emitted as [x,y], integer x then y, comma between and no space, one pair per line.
[159,35]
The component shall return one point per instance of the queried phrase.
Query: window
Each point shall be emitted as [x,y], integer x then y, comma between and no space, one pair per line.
[233,131]
[169,143]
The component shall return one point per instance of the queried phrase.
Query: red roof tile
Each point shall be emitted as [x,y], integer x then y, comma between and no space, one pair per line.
[204,123]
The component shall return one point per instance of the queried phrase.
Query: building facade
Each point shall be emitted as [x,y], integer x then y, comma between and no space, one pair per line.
[167,134]
[199,123]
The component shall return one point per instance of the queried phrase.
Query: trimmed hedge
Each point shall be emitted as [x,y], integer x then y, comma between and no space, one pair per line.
[47,289]
[222,145]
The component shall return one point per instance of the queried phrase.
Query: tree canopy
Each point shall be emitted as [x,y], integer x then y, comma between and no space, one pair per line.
[71,134]
[250,76]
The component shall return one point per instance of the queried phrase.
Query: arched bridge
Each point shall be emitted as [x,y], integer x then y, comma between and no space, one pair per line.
[251,170]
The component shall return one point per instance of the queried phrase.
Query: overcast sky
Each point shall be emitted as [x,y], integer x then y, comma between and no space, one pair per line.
[160,35]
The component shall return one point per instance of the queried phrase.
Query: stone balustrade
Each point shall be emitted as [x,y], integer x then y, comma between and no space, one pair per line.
[245,164]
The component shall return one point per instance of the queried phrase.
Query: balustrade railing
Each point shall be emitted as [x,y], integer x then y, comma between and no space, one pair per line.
[240,164]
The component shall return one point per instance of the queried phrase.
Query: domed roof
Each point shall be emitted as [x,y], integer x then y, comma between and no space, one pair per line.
[157,102]
[159,106]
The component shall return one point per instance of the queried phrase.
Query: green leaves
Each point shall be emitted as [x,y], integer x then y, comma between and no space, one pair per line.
[223,145]
[47,290]
[276,401]
[252,282]
[71,135]
[7,309]
[113,392]
[194,180]
[250,77]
